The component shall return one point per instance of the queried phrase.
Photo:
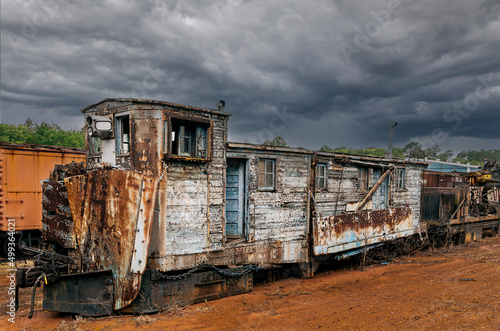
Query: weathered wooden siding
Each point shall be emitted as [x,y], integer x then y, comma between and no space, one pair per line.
[410,195]
[217,178]
[280,214]
[190,206]
[341,191]
[183,209]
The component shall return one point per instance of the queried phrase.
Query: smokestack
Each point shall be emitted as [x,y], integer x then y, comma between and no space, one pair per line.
[388,155]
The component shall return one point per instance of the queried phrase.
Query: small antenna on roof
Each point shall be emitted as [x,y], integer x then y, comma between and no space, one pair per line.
[221,105]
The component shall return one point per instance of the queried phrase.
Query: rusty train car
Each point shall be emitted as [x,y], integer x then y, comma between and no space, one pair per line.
[463,206]
[170,212]
[22,167]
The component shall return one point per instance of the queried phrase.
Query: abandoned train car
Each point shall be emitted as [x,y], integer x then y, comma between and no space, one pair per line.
[465,206]
[22,167]
[169,211]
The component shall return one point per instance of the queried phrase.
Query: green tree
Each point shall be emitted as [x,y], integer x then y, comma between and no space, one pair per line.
[412,147]
[398,153]
[43,134]
[477,157]
[277,142]
[327,149]
[468,156]
[445,156]
[432,152]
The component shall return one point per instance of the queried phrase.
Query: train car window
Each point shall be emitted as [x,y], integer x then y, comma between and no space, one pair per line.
[363,179]
[95,145]
[122,134]
[266,174]
[321,177]
[400,178]
[184,139]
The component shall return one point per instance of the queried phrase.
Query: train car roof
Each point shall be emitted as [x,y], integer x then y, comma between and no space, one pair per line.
[41,148]
[154,102]
[339,156]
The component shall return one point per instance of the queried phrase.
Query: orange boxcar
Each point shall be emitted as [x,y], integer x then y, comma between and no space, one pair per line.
[22,167]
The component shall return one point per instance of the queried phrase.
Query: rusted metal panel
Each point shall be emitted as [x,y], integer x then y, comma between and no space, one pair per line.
[89,294]
[349,231]
[442,205]
[57,223]
[115,225]
[442,179]
[239,253]
[146,143]
[160,293]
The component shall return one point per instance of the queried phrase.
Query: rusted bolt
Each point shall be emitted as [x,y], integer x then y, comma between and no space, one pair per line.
[139,261]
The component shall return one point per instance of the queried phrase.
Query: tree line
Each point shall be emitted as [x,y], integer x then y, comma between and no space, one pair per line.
[412,149]
[43,134]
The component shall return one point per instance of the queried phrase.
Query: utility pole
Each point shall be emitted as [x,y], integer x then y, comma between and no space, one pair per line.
[388,155]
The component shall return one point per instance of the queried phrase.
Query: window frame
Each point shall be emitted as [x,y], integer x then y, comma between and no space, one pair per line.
[400,178]
[363,183]
[266,173]
[92,145]
[119,134]
[170,120]
[324,177]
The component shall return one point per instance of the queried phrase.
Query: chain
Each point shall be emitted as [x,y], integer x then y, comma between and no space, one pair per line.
[164,164]
[247,269]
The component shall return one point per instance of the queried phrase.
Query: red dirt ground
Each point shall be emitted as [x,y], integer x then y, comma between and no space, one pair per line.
[453,289]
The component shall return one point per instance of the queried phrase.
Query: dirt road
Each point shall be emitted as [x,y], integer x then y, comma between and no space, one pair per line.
[455,289]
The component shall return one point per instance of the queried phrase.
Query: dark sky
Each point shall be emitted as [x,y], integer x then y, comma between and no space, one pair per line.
[317,73]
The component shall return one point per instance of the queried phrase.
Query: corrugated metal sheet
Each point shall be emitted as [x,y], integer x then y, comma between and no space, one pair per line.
[22,167]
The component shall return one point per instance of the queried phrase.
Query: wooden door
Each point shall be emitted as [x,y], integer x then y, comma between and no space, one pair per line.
[235,198]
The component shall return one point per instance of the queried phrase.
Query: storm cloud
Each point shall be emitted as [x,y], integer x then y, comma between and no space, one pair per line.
[317,73]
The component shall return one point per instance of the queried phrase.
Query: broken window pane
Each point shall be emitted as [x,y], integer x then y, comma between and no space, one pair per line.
[266,174]
[122,134]
[400,178]
[201,142]
[321,176]
[363,179]
[96,144]
[187,138]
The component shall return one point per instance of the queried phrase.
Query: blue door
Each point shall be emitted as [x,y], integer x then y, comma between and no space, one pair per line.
[379,200]
[235,198]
